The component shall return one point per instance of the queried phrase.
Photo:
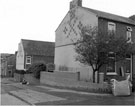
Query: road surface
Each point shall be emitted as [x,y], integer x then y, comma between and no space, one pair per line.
[14,93]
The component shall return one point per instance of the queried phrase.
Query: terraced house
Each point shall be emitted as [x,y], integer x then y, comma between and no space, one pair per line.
[69,30]
[31,51]
[7,63]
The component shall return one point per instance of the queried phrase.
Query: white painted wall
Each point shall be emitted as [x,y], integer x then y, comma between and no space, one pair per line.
[20,57]
[61,38]
[65,56]
[64,50]
[83,16]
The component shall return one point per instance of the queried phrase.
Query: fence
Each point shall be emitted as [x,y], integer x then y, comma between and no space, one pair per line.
[85,72]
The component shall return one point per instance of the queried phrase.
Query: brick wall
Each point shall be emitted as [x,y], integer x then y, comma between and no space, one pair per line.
[45,59]
[134,66]
[18,77]
[133,82]
[70,80]
[41,59]
[31,79]
[121,28]
[59,76]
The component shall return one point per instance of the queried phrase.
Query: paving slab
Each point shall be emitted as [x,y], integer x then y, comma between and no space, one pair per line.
[7,99]
[33,97]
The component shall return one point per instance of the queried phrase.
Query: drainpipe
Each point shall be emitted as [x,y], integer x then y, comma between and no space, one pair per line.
[25,55]
[131,67]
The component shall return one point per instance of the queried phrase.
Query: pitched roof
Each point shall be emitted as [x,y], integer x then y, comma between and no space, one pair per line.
[32,47]
[111,16]
[132,17]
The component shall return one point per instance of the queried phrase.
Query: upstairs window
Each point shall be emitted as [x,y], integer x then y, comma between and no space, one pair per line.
[129,34]
[111,55]
[111,27]
[28,59]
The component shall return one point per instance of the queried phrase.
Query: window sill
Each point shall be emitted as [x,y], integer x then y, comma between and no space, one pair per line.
[28,63]
[111,73]
[130,42]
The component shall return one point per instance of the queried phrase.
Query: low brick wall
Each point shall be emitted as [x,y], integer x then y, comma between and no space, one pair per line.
[18,77]
[31,79]
[58,76]
[71,80]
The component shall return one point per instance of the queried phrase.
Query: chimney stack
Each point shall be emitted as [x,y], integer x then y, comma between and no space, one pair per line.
[132,17]
[75,3]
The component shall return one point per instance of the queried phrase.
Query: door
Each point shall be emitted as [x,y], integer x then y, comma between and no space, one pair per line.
[129,65]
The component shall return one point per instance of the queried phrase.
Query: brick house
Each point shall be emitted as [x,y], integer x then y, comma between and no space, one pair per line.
[11,64]
[30,52]
[7,64]
[69,30]
[132,17]
[3,60]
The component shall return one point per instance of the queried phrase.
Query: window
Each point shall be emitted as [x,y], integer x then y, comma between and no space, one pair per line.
[111,55]
[129,31]
[128,66]
[111,66]
[28,59]
[111,27]
[128,63]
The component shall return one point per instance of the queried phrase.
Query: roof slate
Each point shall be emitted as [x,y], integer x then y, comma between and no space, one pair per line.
[111,16]
[132,17]
[42,48]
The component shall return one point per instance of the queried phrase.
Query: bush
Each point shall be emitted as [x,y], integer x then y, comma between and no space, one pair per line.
[50,67]
[20,71]
[36,68]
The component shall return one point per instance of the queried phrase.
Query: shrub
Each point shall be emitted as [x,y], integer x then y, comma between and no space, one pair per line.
[20,71]
[36,68]
[50,67]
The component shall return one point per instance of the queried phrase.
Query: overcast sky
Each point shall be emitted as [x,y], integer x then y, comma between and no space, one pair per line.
[38,19]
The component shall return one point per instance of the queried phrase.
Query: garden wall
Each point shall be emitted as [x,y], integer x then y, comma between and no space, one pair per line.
[71,80]
[18,77]
[31,79]
[85,72]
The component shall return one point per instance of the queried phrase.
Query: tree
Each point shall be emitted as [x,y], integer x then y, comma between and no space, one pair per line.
[94,48]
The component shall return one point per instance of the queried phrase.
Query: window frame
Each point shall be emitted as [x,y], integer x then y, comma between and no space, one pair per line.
[28,57]
[112,73]
[129,34]
[110,29]
[129,59]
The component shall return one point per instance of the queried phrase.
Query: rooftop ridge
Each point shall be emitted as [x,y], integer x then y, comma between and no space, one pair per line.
[37,41]
[111,16]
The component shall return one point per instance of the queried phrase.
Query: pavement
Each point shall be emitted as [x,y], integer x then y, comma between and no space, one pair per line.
[13,93]
[7,99]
